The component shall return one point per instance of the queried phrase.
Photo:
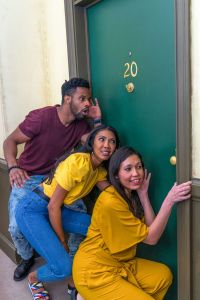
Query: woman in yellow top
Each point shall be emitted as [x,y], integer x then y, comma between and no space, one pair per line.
[43,217]
[105,266]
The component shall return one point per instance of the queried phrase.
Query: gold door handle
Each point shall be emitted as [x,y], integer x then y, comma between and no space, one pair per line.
[173,160]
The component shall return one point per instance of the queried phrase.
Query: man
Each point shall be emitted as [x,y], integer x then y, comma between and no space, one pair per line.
[47,133]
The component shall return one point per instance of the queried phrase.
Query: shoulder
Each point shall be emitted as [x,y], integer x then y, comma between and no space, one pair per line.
[32,123]
[45,110]
[110,199]
[79,158]
[102,171]
[78,162]
[41,111]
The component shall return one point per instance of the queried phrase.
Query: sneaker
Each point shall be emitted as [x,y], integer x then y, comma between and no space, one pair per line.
[23,268]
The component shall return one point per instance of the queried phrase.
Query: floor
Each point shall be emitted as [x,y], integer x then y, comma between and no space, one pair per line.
[12,290]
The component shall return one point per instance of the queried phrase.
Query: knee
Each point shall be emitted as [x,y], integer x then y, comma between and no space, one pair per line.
[166,276]
[15,231]
[63,269]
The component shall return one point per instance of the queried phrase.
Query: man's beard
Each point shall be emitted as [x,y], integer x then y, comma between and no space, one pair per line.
[78,115]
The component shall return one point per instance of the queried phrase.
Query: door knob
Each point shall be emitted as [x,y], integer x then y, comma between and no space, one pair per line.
[173,160]
[130,87]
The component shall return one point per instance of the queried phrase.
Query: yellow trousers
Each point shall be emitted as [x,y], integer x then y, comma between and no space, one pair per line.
[153,281]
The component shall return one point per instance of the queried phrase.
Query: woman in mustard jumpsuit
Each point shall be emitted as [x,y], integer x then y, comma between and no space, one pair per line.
[105,266]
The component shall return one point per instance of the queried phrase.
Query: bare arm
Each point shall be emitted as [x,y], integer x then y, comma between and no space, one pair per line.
[149,214]
[177,194]
[17,137]
[54,209]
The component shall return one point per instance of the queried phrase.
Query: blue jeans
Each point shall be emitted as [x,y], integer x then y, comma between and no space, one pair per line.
[33,220]
[22,246]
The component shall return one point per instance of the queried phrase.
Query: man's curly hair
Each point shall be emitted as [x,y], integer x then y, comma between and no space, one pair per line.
[69,87]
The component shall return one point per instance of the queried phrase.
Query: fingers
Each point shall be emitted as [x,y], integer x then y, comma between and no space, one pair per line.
[18,177]
[184,197]
[94,110]
[96,102]
[185,183]
[184,188]
[180,192]
[147,175]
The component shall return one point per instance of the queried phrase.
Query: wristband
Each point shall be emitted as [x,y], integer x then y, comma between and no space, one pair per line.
[13,167]
[97,121]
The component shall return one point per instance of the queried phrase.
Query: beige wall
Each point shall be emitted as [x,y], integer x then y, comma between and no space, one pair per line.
[195,53]
[33,63]
[33,58]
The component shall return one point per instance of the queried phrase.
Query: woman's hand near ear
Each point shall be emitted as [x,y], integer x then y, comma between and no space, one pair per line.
[149,215]
[143,190]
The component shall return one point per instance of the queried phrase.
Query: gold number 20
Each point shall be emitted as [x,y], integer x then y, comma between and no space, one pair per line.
[131,69]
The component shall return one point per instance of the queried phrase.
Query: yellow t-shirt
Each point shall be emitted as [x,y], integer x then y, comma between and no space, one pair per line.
[111,241]
[76,175]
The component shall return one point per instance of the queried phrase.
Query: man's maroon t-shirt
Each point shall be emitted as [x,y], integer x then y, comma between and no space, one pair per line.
[49,139]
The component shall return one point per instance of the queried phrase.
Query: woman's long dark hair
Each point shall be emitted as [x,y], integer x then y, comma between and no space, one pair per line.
[86,148]
[117,158]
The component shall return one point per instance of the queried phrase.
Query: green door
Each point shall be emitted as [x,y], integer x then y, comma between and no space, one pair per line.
[132,41]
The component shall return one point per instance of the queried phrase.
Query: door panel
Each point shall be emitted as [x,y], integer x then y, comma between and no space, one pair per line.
[140,32]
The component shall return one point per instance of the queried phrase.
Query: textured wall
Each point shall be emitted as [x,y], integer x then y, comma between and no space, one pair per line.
[195,52]
[33,58]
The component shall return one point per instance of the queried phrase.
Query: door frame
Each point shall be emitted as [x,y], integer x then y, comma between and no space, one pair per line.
[79,65]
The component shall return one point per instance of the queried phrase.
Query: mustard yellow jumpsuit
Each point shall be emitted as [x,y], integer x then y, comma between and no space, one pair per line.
[105,266]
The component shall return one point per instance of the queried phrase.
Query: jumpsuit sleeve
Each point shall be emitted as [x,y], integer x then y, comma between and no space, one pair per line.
[120,229]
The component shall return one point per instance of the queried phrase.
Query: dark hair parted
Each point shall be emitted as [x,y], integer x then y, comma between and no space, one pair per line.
[116,160]
[86,148]
[69,87]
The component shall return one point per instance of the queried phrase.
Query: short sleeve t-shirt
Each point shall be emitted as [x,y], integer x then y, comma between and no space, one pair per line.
[49,139]
[77,176]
